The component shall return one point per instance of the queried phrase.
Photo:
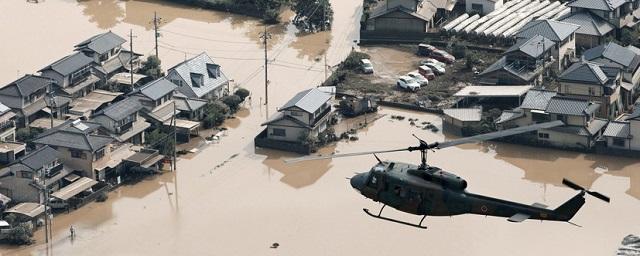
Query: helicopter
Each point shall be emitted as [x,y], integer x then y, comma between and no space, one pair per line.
[430,191]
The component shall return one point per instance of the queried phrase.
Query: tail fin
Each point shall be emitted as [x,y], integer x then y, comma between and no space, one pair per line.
[567,210]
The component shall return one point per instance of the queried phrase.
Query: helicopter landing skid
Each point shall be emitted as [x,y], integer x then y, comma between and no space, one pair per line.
[394,220]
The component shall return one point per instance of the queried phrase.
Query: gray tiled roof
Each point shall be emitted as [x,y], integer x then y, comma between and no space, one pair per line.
[567,106]
[464,114]
[615,53]
[69,64]
[635,114]
[604,5]
[101,43]
[25,86]
[122,109]
[585,72]
[617,129]
[74,140]
[509,115]
[424,13]
[308,100]
[39,158]
[589,23]
[537,99]
[121,61]
[554,30]
[198,65]
[186,104]
[156,89]
[532,46]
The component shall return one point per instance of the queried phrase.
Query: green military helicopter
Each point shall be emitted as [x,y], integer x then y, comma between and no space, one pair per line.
[428,190]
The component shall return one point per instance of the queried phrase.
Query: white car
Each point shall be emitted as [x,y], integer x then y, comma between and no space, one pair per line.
[366,66]
[419,78]
[432,61]
[408,83]
[439,70]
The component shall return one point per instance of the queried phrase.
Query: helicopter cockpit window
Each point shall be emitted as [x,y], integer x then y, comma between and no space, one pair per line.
[374,181]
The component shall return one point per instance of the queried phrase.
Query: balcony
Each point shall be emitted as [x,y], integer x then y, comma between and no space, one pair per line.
[124,128]
[321,116]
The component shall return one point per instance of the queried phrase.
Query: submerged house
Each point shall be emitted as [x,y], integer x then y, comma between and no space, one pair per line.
[110,57]
[199,77]
[122,121]
[305,115]
[27,98]
[73,75]
[594,82]
[523,63]
[402,19]
[624,134]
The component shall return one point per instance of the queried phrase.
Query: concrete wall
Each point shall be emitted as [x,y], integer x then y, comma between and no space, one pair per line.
[291,133]
[564,48]
[399,22]
[564,140]
[611,145]
[635,132]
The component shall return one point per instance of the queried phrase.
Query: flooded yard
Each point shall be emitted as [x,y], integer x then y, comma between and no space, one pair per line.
[232,199]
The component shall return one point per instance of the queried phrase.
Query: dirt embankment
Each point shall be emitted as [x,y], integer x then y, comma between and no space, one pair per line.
[392,61]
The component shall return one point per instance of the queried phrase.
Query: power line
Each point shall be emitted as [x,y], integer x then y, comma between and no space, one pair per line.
[207,39]
[215,57]
[265,39]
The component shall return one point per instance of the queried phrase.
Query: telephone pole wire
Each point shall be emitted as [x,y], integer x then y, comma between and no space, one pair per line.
[131,59]
[156,23]
[265,39]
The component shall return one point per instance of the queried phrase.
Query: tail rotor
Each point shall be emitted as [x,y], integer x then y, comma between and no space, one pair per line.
[595,194]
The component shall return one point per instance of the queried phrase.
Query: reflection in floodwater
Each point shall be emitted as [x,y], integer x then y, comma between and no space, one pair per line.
[297,175]
[105,13]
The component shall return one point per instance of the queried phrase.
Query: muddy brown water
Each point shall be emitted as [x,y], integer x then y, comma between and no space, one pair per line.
[253,200]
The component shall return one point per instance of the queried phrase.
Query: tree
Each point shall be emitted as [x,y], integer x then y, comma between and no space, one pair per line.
[163,142]
[233,101]
[459,51]
[628,37]
[215,114]
[152,67]
[242,93]
[313,14]
[26,134]
[20,234]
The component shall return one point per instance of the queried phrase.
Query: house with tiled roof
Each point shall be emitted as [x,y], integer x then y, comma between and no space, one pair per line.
[624,133]
[523,63]
[593,29]
[110,57]
[306,115]
[122,121]
[73,75]
[531,111]
[79,147]
[199,77]
[404,19]
[461,121]
[594,82]
[616,56]
[561,33]
[619,13]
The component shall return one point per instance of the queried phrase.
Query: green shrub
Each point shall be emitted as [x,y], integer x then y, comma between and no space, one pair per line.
[20,234]
[242,93]
[459,51]
[353,60]
[233,101]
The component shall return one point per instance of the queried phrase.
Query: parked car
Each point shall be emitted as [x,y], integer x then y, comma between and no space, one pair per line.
[419,78]
[425,49]
[408,83]
[426,72]
[436,69]
[366,66]
[442,56]
[432,61]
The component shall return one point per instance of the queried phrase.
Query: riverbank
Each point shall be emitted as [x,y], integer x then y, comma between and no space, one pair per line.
[269,14]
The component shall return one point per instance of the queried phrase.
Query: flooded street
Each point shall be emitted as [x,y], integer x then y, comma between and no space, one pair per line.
[252,199]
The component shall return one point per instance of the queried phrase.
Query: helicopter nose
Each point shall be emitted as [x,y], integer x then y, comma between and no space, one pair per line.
[358,181]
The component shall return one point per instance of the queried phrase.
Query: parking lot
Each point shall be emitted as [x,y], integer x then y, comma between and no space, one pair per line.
[391,62]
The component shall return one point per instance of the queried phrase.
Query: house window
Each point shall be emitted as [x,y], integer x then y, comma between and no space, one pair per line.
[592,91]
[77,154]
[543,135]
[279,132]
[619,142]
[26,175]
[99,154]
[296,113]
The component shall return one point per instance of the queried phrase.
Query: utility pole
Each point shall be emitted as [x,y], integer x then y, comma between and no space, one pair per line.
[325,66]
[131,59]
[52,104]
[265,39]
[156,22]
[45,192]
[175,137]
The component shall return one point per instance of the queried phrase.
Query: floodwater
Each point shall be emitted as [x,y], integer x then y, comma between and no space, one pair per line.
[230,199]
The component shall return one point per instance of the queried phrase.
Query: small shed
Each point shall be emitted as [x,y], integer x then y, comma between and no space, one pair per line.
[460,121]
[504,97]
[482,7]
[26,211]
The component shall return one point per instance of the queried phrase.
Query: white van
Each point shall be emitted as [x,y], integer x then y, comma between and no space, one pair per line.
[366,66]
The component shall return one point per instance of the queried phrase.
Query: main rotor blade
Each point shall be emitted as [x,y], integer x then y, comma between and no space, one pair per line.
[572,185]
[500,134]
[311,158]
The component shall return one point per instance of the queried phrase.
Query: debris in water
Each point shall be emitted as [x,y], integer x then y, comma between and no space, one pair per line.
[275,245]
[630,246]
